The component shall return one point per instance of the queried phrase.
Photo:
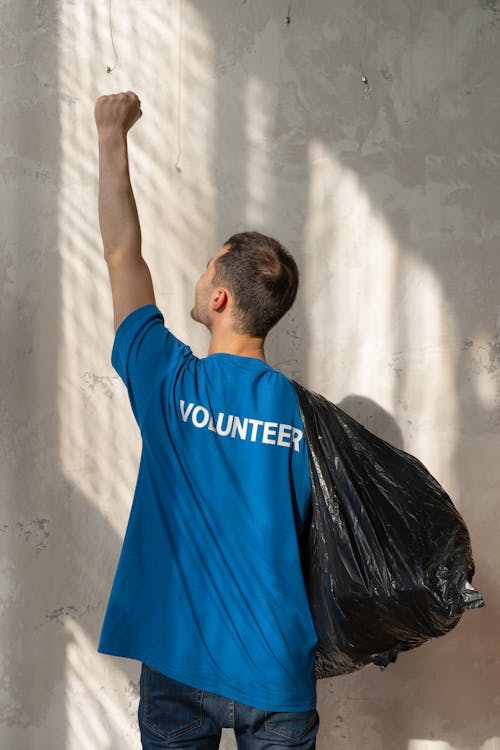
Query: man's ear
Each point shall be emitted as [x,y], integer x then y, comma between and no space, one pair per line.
[219,299]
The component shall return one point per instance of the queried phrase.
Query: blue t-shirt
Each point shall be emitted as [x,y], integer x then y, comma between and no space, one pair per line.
[209,588]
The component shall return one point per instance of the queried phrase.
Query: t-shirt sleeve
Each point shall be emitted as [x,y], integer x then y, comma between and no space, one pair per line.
[145,353]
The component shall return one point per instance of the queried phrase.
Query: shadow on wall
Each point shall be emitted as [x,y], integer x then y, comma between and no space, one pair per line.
[34,645]
[374,418]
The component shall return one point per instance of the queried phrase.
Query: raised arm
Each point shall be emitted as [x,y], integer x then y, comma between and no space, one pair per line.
[131,283]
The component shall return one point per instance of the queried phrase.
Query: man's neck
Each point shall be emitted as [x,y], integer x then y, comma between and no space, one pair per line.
[240,344]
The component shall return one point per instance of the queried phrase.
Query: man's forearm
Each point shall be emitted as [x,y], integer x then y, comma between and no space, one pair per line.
[118,219]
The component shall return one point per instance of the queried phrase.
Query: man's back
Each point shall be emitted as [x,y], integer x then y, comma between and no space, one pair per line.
[209,588]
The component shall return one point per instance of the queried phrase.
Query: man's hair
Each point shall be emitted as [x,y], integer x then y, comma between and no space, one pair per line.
[263,278]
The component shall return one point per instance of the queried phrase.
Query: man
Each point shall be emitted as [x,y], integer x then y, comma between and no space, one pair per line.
[208,593]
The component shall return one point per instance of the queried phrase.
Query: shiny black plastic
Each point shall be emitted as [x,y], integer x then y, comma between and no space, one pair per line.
[386,556]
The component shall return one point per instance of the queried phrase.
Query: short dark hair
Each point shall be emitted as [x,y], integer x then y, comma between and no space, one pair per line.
[263,278]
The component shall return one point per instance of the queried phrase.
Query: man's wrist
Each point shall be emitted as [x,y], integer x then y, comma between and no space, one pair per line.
[113,154]
[111,137]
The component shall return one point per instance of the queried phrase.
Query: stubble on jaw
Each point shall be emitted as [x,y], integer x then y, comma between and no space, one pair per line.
[202,293]
[199,312]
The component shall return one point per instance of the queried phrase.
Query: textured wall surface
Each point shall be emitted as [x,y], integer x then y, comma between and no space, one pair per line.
[386,190]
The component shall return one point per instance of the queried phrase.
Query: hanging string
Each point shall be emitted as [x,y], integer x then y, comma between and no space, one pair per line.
[179,87]
[179,91]
[108,69]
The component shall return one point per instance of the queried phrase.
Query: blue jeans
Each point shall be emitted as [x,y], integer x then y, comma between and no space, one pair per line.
[174,715]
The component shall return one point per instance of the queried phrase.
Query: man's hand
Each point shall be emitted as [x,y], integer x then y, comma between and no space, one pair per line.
[117,112]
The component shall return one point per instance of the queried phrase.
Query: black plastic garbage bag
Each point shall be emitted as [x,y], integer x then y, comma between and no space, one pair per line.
[386,556]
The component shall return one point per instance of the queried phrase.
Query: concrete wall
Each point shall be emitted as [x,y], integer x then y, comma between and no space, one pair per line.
[387,193]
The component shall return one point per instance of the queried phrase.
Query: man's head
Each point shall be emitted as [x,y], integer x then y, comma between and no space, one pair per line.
[253,274]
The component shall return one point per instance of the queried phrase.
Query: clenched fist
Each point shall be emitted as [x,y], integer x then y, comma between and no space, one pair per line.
[117,112]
